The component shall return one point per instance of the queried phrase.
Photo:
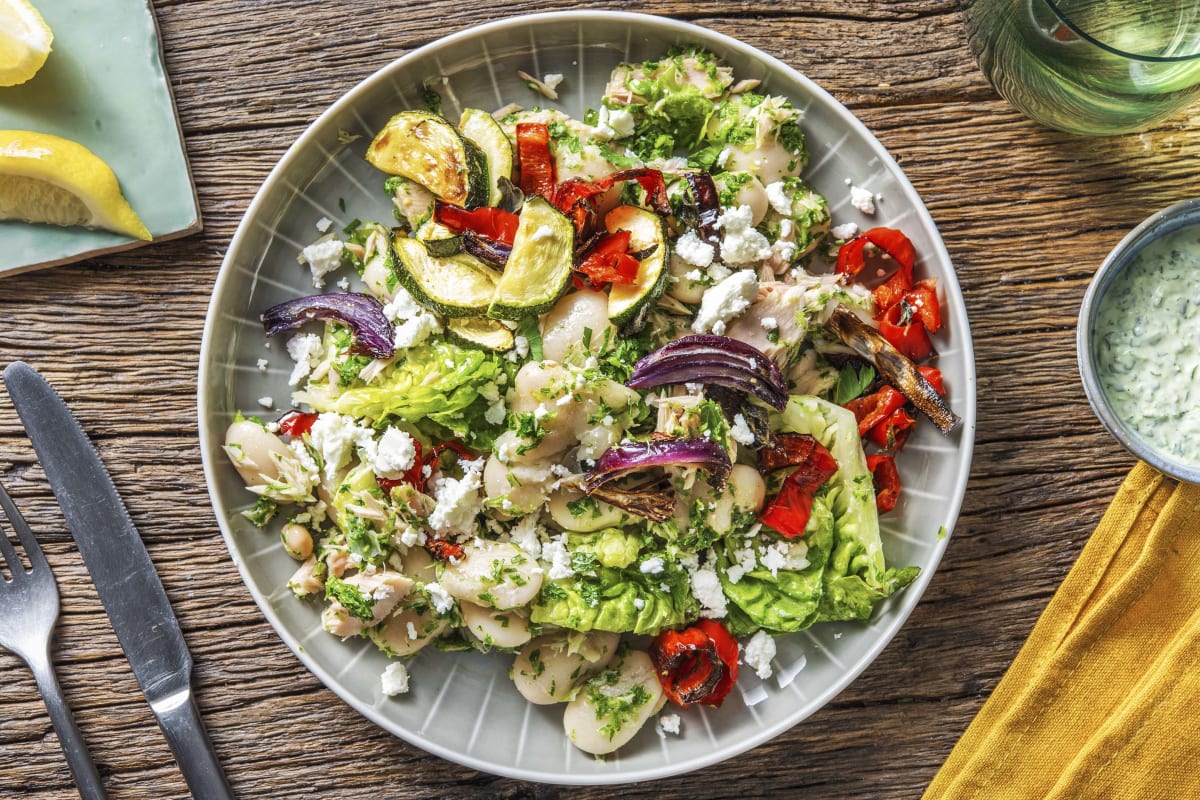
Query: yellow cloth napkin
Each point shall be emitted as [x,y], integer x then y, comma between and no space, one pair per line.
[1103,701]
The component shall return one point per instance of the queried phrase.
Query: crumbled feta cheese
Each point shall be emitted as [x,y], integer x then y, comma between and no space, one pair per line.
[394,455]
[552,79]
[775,557]
[263,364]
[758,654]
[526,534]
[555,551]
[335,438]
[706,588]
[495,413]
[402,306]
[521,346]
[412,631]
[668,723]
[770,324]
[695,251]
[416,330]
[723,157]
[394,679]
[862,199]
[541,412]
[741,243]
[442,601]
[543,232]
[344,284]
[778,197]
[411,536]
[845,232]
[322,258]
[267,402]
[458,500]
[614,123]
[695,276]
[726,300]
[323,224]
[740,431]
[639,603]
[306,350]
[651,566]
[745,561]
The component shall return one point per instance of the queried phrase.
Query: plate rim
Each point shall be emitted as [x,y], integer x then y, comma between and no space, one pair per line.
[965,402]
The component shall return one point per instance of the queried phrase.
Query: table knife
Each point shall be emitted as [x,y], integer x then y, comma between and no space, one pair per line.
[122,572]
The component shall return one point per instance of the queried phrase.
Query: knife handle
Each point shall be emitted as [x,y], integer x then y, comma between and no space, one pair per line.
[83,769]
[181,723]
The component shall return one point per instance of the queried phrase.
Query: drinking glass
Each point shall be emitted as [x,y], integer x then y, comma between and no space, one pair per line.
[1092,67]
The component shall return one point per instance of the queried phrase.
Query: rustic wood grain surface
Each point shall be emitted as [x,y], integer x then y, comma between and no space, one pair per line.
[1027,215]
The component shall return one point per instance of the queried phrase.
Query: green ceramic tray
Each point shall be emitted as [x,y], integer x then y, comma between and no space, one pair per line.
[104,86]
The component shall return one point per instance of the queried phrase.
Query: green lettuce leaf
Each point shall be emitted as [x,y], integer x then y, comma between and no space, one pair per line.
[438,383]
[608,600]
[846,575]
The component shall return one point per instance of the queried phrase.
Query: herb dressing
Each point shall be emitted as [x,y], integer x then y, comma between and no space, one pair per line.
[1147,334]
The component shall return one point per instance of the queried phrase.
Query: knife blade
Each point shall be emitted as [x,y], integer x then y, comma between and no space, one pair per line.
[124,576]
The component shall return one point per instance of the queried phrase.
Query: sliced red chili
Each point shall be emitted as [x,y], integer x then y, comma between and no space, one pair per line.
[696,665]
[900,326]
[788,512]
[537,163]
[296,423]
[892,433]
[887,481]
[923,299]
[444,550]
[491,223]
[874,408]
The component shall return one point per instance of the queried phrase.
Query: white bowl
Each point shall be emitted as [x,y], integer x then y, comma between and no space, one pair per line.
[462,706]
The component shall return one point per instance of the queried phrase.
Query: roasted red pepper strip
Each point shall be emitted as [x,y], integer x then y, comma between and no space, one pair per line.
[874,408]
[900,326]
[537,163]
[887,481]
[788,512]
[609,261]
[892,433]
[923,299]
[296,423]
[696,665]
[934,376]
[444,550]
[576,197]
[787,450]
[492,223]
[651,181]
[881,260]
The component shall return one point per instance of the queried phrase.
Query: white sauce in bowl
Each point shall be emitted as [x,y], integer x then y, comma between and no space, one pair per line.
[1147,344]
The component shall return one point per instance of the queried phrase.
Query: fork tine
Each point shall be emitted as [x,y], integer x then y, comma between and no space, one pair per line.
[17,522]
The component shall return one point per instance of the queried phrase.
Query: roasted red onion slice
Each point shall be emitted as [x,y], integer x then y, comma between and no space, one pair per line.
[630,457]
[373,333]
[719,360]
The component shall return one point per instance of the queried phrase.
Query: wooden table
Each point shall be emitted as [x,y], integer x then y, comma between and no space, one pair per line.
[1026,213]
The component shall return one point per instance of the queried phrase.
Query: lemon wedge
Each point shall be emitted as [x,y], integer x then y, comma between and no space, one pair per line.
[24,41]
[45,178]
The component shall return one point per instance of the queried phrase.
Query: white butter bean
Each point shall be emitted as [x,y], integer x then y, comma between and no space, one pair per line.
[496,628]
[495,574]
[547,671]
[613,705]
[256,445]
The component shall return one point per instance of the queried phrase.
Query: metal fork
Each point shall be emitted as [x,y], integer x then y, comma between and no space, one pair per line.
[28,613]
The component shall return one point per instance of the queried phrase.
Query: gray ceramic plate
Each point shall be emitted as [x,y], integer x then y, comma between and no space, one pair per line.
[462,706]
[105,87]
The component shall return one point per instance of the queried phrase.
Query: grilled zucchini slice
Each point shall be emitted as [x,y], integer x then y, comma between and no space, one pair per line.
[647,229]
[483,130]
[455,286]
[481,332]
[427,149]
[539,268]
